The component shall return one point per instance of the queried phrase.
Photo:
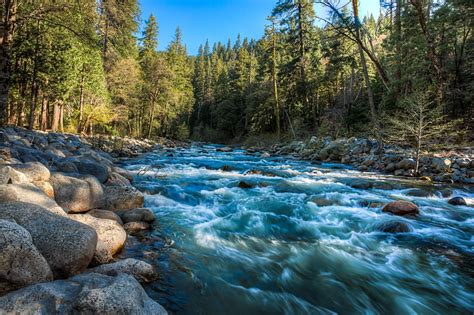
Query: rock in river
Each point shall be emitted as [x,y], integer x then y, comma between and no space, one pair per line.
[139,214]
[457,201]
[140,270]
[401,207]
[68,246]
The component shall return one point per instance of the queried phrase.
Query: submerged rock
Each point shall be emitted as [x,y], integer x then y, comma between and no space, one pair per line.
[401,207]
[68,246]
[140,270]
[245,185]
[84,294]
[21,264]
[420,193]
[457,201]
[394,227]
[224,149]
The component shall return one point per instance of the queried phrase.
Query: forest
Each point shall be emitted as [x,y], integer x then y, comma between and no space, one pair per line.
[86,66]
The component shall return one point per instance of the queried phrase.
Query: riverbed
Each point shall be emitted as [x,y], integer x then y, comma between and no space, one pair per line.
[241,234]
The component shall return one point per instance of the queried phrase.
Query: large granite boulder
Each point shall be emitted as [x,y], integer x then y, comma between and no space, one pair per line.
[122,198]
[111,236]
[77,194]
[31,194]
[68,246]
[21,264]
[84,294]
[105,214]
[34,171]
[95,169]
[140,270]
[8,175]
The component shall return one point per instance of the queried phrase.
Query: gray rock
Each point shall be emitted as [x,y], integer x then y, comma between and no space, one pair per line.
[116,179]
[457,201]
[406,164]
[420,193]
[21,264]
[139,214]
[133,228]
[441,165]
[68,246]
[390,167]
[122,198]
[9,175]
[31,194]
[140,270]
[84,294]
[105,214]
[89,168]
[224,149]
[34,171]
[111,237]
[77,194]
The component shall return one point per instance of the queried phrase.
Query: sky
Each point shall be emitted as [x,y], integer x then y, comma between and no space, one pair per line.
[216,20]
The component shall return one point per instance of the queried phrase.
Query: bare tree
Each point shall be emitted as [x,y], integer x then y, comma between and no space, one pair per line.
[420,122]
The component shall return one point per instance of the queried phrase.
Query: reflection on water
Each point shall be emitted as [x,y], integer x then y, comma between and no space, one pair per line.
[299,240]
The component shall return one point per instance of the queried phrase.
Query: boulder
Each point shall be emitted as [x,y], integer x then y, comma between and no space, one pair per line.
[441,165]
[84,294]
[140,270]
[333,151]
[133,228]
[457,201]
[361,184]
[31,194]
[68,246]
[77,194]
[9,175]
[95,169]
[390,167]
[406,164]
[245,185]
[420,193]
[34,171]
[115,179]
[394,227]
[401,207]
[111,237]
[139,214]
[105,214]
[21,264]
[122,198]
[224,149]
[46,187]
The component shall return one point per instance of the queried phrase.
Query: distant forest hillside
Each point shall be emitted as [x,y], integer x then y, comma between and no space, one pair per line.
[83,66]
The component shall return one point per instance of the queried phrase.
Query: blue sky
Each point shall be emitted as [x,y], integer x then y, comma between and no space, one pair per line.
[216,20]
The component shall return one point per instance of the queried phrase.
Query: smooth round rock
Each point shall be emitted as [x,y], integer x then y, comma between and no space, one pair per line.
[401,207]
[457,201]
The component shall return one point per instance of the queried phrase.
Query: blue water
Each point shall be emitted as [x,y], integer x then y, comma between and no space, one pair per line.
[301,240]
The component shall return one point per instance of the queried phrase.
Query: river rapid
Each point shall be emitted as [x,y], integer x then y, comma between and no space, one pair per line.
[298,238]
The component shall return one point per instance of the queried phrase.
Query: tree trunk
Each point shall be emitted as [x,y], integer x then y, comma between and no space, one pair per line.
[398,44]
[7,28]
[56,116]
[61,118]
[44,114]
[275,82]
[301,32]
[363,63]
[81,104]
[152,114]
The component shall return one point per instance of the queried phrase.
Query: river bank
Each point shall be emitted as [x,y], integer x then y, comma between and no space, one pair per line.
[446,166]
[66,211]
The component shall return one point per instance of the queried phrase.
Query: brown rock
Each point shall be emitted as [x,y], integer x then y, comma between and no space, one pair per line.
[401,207]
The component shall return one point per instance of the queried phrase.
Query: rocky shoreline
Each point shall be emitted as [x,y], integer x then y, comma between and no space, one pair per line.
[66,211]
[446,166]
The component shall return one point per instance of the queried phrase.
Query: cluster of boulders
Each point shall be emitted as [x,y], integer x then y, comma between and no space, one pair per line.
[66,211]
[367,155]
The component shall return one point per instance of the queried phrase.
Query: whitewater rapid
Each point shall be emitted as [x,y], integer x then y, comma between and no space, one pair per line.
[300,240]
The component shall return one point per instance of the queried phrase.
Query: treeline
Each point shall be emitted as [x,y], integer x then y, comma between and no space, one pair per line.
[330,72]
[81,66]
[84,66]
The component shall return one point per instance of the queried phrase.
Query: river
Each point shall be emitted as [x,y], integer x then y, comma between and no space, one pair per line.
[298,238]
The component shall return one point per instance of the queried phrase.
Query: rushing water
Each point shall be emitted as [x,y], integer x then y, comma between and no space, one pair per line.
[300,241]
